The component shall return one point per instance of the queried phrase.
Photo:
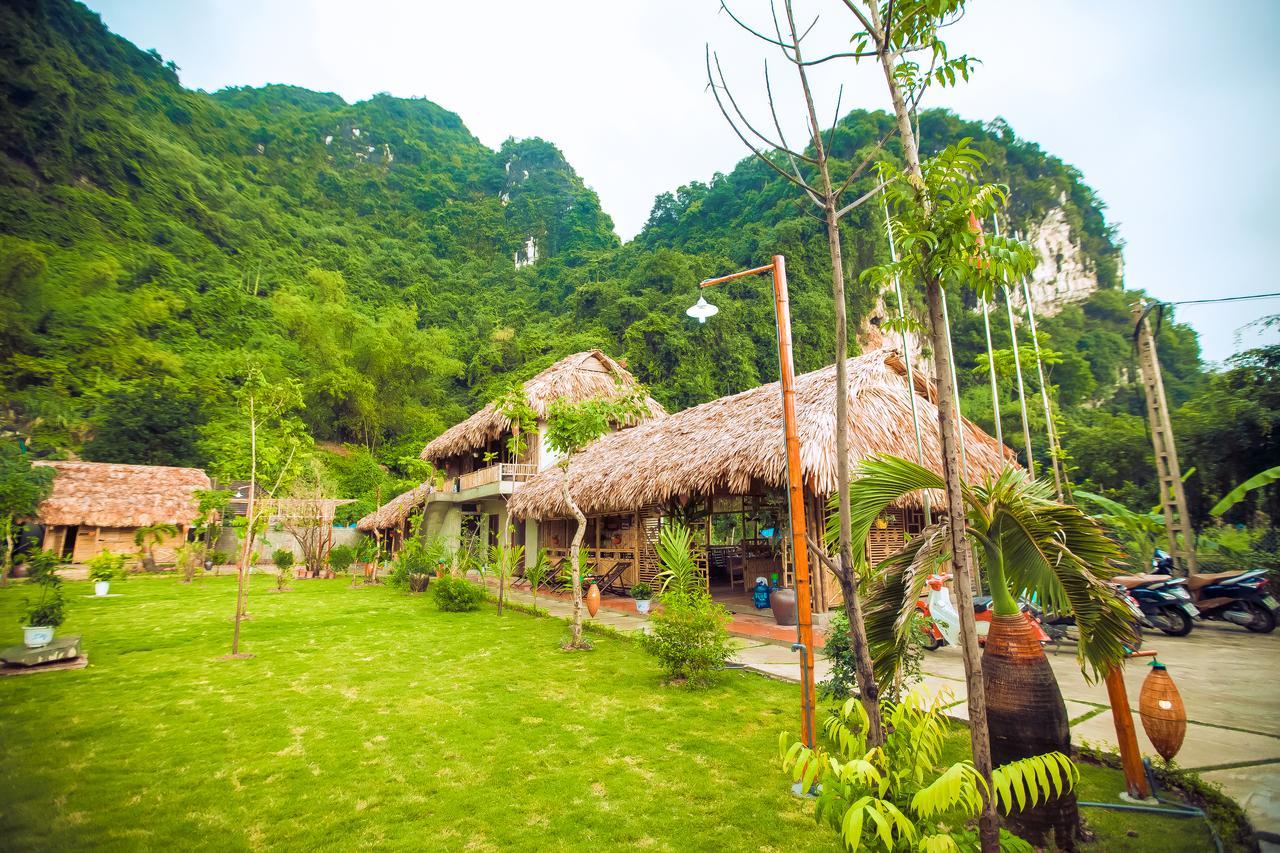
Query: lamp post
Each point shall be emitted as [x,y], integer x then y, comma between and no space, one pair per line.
[782,312]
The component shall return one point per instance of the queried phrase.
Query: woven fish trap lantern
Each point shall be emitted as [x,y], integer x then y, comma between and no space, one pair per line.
[1164,717]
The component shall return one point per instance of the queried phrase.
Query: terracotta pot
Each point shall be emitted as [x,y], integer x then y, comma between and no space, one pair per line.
[783,603]
[592,597]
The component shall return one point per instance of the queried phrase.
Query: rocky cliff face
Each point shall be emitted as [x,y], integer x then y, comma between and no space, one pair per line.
[1064,274]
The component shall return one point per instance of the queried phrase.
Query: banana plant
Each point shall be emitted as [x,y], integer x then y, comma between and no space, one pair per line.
[893,797]
[1028,545]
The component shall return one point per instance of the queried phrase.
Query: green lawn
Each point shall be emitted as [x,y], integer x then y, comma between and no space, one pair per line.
[369,718]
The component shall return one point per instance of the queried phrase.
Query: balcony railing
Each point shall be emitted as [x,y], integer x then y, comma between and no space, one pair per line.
[503,472]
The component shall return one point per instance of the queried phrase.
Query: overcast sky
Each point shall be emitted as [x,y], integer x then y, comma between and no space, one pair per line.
[1169,108]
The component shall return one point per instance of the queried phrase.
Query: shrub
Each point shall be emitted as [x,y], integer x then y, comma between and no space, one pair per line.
[456,595]
[106,566]
[689,638]
[186,561]
[341,557]
[219,558]
[283,558]
[642,592]
[844,674]
[893,797]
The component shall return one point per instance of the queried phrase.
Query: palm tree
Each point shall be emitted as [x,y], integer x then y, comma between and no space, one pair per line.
[147,538]
[1029,546]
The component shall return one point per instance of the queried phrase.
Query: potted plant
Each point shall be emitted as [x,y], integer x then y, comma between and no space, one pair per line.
[643,594]
[46,613]
[103,568]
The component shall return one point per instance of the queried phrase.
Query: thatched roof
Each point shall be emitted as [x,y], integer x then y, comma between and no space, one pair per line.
[394,512]
[100,494]
[581,376]
[734,443]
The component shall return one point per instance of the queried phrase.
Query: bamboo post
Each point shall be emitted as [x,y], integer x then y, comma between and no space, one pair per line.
[795,482]
[906,357]
[1135,775]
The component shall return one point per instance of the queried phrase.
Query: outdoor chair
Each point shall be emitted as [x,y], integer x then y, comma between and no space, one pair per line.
[737,568]
[611,581]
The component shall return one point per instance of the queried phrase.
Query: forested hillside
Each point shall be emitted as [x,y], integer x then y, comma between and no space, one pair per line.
[157,244]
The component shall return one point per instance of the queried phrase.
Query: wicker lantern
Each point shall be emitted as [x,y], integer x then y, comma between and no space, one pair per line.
[1164,718]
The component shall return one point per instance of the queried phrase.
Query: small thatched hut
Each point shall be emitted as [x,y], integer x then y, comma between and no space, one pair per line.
[389,522]
[98,506]
[468,507]
[723,465]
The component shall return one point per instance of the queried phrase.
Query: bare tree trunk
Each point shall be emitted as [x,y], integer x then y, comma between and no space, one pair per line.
[867,690]
[243,568]
[7,562]
[962,556]
[575,549]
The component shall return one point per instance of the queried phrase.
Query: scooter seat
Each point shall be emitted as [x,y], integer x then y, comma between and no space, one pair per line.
[1135,581]
[1197,581]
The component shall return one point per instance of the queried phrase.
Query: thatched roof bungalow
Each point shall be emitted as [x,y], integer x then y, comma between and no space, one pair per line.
[97,506]
[731,449]
[734,444]
[581,376]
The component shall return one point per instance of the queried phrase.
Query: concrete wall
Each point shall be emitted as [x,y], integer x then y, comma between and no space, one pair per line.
[276,539]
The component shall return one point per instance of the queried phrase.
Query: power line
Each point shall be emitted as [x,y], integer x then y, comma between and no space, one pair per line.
[1224,299]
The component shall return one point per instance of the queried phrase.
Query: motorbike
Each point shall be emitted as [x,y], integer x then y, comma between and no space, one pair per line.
[944,627]
[1057,626]
[1241,598]
[1164,602]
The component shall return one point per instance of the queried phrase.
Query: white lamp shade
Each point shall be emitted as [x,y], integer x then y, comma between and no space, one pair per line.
[702,310]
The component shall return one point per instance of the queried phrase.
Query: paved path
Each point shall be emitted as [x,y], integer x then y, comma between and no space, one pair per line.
[1229,680]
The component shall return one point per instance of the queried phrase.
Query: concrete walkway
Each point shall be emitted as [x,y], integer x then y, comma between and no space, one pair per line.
[1227,676]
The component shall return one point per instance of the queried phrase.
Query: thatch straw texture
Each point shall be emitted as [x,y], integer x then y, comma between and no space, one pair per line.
[581,376]
[100,494]
[393,513]
[731,444]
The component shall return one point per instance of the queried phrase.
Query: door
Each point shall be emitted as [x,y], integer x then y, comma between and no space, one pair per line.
[69,542]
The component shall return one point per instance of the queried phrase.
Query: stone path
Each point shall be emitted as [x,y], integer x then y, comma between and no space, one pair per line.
[1226,675]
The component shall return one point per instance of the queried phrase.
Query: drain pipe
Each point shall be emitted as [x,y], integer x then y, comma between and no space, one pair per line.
[1173,807]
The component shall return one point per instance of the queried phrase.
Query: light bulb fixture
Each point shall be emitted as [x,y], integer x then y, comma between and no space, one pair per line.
[702,310]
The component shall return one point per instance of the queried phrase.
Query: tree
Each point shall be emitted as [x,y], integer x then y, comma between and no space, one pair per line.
[570,428]
[826,191]
[211,504]
[937,205]
[147,538]
[153,423]
[22,487]
[307,516]
[1029,546]
[274,437]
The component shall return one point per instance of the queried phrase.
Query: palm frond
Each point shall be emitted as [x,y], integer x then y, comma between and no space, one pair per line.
[877,483]
[1063,558]
[890,599]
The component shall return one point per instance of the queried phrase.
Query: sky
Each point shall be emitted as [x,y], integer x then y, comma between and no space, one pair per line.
[1169,108]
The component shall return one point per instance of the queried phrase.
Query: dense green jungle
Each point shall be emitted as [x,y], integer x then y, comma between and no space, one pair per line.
[158,244]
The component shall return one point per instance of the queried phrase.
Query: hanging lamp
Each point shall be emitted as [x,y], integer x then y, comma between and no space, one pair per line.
[1164,717]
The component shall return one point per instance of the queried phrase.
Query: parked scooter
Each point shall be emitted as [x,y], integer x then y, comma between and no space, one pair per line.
[1164,601]
[1241,598]
[945,627]
[1057,626]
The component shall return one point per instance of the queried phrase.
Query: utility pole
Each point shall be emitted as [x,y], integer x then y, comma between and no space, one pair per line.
[1173,497]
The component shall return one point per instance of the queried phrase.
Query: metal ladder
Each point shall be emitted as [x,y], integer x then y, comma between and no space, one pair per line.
[1173,496]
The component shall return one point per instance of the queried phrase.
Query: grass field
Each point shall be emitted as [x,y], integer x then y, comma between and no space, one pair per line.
[368,718]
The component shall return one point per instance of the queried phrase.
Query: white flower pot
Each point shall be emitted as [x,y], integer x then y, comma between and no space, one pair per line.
[101,588]
[35,636]
[642,605]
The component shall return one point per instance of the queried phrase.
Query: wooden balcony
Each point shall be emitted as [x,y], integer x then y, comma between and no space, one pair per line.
[496,475]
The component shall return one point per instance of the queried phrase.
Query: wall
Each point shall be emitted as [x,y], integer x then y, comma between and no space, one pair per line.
[92,540]
[276,539]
